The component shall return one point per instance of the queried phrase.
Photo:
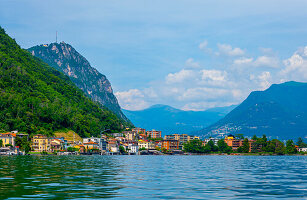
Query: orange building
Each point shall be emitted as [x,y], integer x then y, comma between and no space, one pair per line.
[153,134]
[233,142]
[139,130]
[170,144]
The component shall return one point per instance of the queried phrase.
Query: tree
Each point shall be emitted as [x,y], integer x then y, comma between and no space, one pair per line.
[245,146]
[211,146]
[290,147]
[254,138]
[223,147]
[300,143]
[122,150]
[240,136]
[1,143]
[194,146]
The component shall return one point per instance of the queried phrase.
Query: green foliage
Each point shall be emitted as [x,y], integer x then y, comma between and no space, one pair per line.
[245,147]
[254,138]
[122,150]
[72,149]
[223,147]
[194,146]
[239,136]
[1,143]
[290,147]
[210,147]
[23,144]
[156,139]
[142,149]
[9,145]
[35,98]
[300,143]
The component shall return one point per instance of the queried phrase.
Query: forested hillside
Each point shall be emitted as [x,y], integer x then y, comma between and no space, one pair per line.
[35,98]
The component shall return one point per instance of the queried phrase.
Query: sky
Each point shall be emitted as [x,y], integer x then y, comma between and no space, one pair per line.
[189,54]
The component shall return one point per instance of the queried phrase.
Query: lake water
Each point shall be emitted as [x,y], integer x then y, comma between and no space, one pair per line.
[153,177]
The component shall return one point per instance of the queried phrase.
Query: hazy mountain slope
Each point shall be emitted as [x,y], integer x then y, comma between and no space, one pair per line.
[35,98]
[280,111]
[170,120]
[66,59]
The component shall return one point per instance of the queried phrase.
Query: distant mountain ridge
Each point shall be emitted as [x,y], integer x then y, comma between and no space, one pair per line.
[280,111]
[66,59]
[171,120]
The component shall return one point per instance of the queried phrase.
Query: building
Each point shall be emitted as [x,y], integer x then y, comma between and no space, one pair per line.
[153,134]
[146,144]
[233,142]
[170,144]
[117,134]
[131,147]
[131,135]
[91,145]
[102,143]
[304,149]
[139,130]
[8,138]
[113,146]
[56,145]
[41,143]
[182,138]
[215,140]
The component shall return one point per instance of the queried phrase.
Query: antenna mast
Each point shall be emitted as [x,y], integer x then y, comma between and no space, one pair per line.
[56,37]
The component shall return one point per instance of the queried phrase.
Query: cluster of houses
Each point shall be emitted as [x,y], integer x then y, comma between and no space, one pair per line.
[132,142]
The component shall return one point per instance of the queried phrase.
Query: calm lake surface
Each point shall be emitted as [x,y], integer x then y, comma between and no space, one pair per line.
[153,177]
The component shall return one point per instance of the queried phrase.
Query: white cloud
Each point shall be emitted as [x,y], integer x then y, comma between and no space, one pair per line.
[203,45]
[180,76]
[190,63]
[202,93]
[132,99]
[267,61]
[242,61]
[263,80]
[214,75]
[296,66]
[226,49]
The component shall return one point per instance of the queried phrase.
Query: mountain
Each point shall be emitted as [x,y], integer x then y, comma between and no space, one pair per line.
[171,120]
[66,59]
[36,98]
[279,112]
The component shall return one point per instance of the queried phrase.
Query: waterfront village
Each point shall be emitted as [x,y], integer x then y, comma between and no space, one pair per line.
[136,141]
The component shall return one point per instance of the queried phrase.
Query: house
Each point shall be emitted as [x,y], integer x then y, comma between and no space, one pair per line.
[146,144]
[170,144]
[8,138]
[304,149]
[56,145]
[113,146]
[117,134]
[41,143]
[80,147]
[91,146]
[131,147]
[139,130]
[153,134]
[102,143]
[131,135]
[215,140]
[182,138]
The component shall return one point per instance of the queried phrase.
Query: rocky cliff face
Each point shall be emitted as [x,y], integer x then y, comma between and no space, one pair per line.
[65,58]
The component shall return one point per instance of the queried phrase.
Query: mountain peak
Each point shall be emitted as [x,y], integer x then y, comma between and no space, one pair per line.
[63,57]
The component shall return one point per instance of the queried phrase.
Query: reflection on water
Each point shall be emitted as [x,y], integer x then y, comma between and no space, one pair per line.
[163,177]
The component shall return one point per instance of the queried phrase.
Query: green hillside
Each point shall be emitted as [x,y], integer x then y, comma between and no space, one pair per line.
[36,98]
